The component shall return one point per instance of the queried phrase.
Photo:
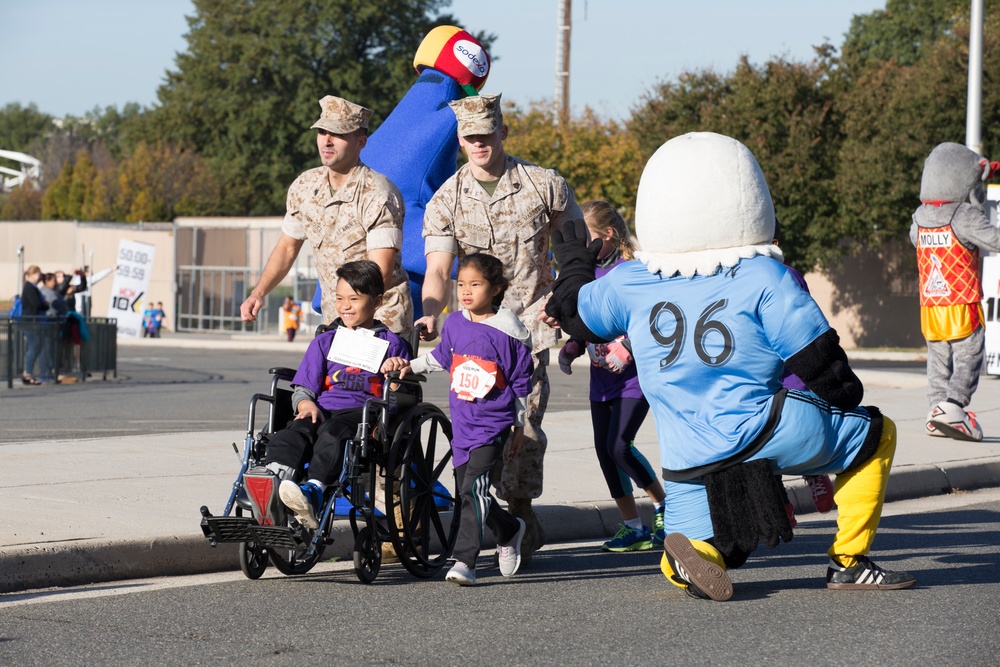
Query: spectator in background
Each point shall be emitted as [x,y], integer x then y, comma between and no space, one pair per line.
[291,316]
[149,320]
[32,306]
[56,312]
[160,316]
[69,284]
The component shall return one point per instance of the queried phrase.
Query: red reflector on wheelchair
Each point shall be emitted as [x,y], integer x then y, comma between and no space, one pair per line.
[262,491]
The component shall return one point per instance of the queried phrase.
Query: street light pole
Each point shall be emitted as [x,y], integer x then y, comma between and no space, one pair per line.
[973,111]
[561,98]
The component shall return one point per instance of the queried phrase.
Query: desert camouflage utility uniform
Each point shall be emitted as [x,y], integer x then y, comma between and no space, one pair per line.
[343,225]
[513,225]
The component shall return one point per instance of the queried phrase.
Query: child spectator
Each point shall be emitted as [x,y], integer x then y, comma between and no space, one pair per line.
[328,396]
[159,315]
[291,315]
[149,320]
[487,351]
[617,406]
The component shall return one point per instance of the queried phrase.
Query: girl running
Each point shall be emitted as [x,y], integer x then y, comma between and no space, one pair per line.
[487,351]
[617,406]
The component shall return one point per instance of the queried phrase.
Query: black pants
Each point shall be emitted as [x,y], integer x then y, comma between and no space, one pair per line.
[479,507]
[320,445]
[616,423]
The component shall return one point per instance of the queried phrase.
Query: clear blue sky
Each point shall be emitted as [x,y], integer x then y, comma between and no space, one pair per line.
[69,56]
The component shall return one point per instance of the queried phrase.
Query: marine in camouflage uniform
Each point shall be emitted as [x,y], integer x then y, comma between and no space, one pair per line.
[366,213]
[511,219]
[347,212]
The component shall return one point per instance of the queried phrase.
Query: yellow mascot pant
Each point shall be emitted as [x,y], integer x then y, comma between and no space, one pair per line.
[859,495]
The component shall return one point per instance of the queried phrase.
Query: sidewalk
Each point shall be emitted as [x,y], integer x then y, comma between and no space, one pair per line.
[79,511]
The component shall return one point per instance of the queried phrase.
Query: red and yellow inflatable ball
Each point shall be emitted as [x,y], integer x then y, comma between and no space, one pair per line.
[456,53]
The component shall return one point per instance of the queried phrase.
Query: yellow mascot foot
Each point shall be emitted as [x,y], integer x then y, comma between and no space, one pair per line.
[685,566]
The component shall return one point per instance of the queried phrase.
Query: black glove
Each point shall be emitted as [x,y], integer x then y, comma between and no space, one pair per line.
[574,256]
[576,268]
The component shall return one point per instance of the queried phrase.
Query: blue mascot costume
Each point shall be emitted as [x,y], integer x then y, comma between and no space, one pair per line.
[417,145]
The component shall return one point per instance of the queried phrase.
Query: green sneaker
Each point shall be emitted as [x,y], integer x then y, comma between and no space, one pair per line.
[659,534]
[629,539]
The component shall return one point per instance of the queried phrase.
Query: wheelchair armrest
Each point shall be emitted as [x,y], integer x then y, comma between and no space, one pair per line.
[283,373]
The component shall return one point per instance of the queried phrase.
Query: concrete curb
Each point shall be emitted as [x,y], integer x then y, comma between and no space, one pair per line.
[94,561]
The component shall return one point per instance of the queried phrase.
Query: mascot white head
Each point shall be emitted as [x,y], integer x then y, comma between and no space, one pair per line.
[702,204]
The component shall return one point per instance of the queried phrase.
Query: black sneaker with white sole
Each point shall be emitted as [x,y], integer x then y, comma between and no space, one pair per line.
[866,576]
[704,579]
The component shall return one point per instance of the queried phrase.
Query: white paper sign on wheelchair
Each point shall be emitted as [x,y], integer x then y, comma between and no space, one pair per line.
[358,347]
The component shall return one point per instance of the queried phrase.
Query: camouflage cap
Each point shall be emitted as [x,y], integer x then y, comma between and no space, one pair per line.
[340,116]
[477,115]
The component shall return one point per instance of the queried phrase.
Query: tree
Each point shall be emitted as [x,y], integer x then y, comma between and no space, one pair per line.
[22,203]
[245,92]
[20,126]
[784,114]
[597,157]
[905,31]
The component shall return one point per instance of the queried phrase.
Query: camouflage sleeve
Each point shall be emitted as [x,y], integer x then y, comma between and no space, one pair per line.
[562,202]
[293,225]
[385,220]
[439,220]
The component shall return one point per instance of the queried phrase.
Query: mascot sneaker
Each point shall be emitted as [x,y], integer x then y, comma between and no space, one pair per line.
[704,578]
[929,426]
[866,576]
[955,422]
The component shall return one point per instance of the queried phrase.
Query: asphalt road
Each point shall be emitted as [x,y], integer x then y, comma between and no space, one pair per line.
[575,606]
[172,390]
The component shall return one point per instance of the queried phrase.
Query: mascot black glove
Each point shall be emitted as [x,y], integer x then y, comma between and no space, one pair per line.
[576,268]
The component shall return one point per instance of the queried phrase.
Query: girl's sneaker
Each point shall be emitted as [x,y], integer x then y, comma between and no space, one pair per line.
[461,574]
[629,539]
[659,533]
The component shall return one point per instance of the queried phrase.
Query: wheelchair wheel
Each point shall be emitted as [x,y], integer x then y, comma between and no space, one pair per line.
[295,561]
[253,559]
[367,556]
[422,512]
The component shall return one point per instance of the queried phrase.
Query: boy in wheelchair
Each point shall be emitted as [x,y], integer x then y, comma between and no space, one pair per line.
[328,395]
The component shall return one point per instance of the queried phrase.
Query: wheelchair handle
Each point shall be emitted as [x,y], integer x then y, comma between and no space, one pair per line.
[412,378]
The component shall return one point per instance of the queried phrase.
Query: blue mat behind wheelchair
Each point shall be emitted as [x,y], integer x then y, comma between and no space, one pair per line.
[343,506]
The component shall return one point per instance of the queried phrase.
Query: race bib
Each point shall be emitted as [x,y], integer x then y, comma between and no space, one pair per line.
[473,379]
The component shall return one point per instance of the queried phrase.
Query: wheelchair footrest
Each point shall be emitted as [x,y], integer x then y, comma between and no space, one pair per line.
[245,529]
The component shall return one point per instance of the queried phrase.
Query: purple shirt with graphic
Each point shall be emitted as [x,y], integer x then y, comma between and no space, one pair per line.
[340,387]
[474,423]
[606,385]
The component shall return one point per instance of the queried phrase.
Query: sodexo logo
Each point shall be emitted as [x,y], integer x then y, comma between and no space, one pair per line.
[472,56]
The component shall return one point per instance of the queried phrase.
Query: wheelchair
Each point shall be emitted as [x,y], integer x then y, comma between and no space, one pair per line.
[402,445]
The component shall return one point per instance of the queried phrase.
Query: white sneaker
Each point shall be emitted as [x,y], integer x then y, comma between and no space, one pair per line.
[929,427]
[957,423]
[461,574]
[510,554]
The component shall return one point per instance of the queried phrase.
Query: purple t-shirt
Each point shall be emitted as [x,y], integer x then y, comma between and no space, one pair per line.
[606,385]
[476,422]
[340,387]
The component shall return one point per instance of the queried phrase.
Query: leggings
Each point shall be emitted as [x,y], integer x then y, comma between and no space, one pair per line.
[479,507]
[615,424]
